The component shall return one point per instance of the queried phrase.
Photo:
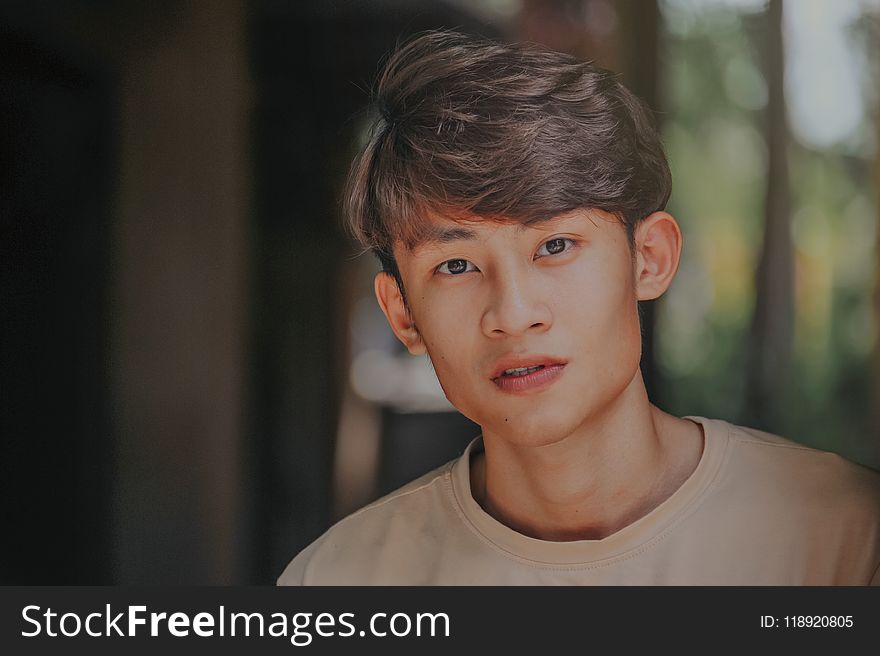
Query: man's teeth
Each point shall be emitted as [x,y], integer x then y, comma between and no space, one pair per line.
[522,371]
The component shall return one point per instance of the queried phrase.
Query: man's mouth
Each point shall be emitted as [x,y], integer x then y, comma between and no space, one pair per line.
[519,365]
[526,373]
[528,379]
[522,371]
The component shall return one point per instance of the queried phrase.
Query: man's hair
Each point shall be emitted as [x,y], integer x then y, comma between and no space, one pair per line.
[472,129]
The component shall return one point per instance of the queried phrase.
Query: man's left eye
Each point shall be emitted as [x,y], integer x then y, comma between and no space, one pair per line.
[555,246]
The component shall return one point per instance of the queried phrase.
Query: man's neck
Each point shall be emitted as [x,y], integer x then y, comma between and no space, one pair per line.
[612,470]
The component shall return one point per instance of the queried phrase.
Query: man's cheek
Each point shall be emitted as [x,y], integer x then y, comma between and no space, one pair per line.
[455,394]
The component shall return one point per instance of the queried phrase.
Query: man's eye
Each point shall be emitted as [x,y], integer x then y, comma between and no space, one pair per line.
[456,267]
[555,246]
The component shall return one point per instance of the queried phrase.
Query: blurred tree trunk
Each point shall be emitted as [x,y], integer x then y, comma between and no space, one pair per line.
[769,349]
[874,399]
[180,297]
[875,392]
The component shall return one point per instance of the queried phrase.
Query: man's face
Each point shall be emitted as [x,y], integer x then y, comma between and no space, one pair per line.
[491,302]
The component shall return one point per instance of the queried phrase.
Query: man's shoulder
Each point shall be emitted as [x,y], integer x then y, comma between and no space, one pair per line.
[401,515]
[788,466]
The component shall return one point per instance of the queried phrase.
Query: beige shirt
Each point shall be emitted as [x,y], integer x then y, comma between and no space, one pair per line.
[757,510]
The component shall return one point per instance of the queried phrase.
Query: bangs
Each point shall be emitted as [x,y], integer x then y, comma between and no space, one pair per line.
[511,180]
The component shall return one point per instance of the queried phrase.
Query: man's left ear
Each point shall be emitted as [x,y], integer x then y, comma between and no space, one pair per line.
[658,244]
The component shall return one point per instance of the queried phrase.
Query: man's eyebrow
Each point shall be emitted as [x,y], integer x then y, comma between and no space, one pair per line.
[438,235]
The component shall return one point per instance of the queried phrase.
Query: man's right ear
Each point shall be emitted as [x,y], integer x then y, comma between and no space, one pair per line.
[391,301]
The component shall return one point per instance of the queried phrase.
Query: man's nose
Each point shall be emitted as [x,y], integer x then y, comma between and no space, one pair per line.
[516,304]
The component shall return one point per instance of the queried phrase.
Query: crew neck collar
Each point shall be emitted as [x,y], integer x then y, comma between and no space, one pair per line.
[639,533]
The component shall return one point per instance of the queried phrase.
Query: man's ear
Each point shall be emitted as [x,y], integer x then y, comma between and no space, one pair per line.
[658,245]
[391,301]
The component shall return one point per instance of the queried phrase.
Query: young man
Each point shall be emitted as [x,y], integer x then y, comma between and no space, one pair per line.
[515,198]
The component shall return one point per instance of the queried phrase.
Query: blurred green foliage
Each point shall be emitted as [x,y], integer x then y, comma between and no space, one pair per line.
[714,94]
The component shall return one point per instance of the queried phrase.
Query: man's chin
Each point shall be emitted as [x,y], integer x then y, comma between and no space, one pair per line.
[530,431]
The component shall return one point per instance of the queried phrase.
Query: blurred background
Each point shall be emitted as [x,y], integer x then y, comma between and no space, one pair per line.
[196,380]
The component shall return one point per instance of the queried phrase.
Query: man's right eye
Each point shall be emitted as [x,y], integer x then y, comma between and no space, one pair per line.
[456,267]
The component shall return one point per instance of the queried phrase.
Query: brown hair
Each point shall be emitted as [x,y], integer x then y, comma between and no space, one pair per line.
[474,129]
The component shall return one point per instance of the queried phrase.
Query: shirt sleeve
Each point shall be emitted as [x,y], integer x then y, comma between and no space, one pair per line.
[296,571]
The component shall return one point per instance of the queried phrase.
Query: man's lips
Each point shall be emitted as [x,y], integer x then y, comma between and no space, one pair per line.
[523,362]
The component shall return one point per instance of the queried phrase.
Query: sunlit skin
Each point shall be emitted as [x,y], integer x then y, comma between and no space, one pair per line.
[585,453]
